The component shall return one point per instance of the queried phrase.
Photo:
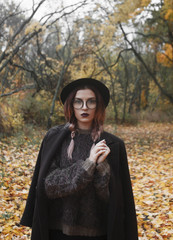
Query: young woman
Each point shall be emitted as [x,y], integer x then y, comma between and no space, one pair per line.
[81,188]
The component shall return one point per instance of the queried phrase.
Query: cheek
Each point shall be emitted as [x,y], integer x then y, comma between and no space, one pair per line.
[76,113]
[93,113]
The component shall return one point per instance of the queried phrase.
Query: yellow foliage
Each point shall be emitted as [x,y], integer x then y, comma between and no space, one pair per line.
[145,3]
[168,10]
[169,15]
[108,33]
[34,27]
[11,121]
[84,68]
[166,58]
[143,99]
[130,9]
[58,47]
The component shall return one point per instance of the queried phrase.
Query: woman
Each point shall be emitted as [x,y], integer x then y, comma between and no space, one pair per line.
[81,187]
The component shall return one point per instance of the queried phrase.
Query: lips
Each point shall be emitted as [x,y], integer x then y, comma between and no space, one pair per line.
[84,114]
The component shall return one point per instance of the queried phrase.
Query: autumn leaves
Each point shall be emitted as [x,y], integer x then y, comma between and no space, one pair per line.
[150,159]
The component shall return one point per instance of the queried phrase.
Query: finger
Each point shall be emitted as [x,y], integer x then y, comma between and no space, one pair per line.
[100,159]
[103,156]
[101,142]
[101,145]
[102,151]
[108,150]
[96,147]
[100,148]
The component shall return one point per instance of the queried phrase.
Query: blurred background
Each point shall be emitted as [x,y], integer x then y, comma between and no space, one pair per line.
[45,44]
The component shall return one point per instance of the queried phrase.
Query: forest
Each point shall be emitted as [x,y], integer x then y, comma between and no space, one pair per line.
[128,45]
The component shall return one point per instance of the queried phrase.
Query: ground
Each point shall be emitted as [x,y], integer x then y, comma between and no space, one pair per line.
[150,155]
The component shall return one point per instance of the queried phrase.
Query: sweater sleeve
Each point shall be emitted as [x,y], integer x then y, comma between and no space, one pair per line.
[66,181]
[101,180]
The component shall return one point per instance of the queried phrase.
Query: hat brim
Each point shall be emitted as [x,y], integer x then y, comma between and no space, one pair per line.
[104,91]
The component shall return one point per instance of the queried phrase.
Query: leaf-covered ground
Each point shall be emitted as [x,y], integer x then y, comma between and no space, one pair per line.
[150,153]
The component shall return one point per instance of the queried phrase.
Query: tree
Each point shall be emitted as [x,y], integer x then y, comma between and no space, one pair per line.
[156,39]
[16,44]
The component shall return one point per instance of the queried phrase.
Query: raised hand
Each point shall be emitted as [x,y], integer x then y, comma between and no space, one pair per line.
[99,152]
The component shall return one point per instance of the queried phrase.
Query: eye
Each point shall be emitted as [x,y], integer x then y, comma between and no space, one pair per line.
[92,101]
[77,101]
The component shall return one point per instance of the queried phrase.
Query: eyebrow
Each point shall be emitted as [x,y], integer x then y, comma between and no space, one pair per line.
[87,99]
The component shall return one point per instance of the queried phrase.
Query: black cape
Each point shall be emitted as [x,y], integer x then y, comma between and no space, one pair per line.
[121,217]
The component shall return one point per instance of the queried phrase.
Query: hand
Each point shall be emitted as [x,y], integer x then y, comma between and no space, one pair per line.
[104,155]
[100,149]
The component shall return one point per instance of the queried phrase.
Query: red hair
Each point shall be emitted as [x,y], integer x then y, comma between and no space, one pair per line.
[97,125]
[99,113]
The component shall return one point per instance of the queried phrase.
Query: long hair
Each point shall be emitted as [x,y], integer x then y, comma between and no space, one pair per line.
[97,125]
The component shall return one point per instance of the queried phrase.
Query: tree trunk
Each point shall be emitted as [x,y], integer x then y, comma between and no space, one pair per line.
[138,56]
[60,79]
[125,90]
[134,95]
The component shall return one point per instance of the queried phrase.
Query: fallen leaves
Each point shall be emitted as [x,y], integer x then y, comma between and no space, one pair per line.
[17,163]
[150,151]
[150,154]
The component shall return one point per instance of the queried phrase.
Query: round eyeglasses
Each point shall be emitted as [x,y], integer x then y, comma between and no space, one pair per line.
[79,103]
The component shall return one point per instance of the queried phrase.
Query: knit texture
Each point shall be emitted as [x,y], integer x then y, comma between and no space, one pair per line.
[77,190]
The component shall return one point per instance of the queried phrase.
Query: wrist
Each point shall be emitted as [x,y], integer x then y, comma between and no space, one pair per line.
[91,160]
[89,166]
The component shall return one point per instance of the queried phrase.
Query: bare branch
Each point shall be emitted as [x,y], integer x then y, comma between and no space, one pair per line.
[151,35]
[26,21]
[18,90]
[112,65]
[139,57]
[65,14]
[33,74]
[13,14]
[48,16]
[27,38]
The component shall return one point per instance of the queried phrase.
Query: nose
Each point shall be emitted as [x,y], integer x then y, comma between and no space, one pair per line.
[84,105]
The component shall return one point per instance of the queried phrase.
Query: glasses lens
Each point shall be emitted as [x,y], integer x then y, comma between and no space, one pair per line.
[91,103]
[77,103]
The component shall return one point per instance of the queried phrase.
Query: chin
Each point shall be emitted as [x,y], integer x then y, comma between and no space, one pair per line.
[85,121]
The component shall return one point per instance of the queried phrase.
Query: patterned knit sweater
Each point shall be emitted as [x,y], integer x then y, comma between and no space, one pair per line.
[77,190]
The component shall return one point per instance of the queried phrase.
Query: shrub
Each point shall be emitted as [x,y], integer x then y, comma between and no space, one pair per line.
[36,109]
[10,120]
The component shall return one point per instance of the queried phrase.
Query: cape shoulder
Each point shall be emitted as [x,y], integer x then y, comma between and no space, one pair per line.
[54,131]
[110,138]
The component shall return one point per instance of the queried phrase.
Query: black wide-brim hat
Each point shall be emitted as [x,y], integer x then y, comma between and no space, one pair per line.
[104,91]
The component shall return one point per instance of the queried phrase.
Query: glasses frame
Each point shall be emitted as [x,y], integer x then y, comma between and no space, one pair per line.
[86,103]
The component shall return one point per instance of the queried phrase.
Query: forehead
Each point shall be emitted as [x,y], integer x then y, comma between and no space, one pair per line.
[85,93]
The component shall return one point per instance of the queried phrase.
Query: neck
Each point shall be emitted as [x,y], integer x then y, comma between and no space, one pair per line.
[84,126]
[84,131]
